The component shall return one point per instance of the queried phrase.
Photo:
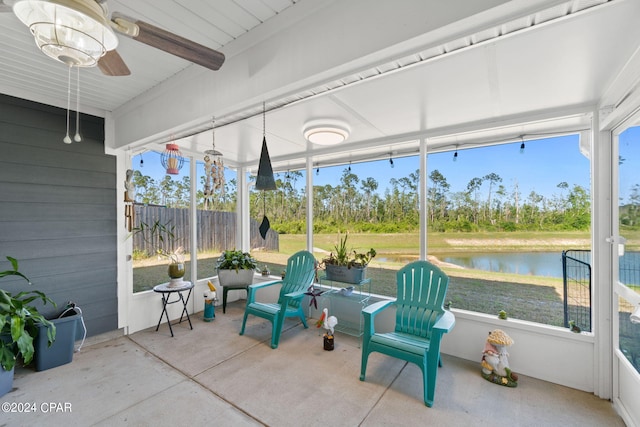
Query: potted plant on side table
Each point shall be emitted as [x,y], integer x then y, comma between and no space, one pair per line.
[19,322]
[161,238]
[345,265]
[235,271]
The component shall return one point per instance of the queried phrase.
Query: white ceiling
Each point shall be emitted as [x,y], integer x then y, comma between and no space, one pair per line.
[24,69]
[492,85]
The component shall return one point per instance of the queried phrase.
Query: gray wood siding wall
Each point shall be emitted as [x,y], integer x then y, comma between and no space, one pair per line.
[58,209]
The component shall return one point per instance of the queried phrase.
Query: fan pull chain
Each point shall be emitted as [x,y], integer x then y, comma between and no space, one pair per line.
[77,137]
[66,139]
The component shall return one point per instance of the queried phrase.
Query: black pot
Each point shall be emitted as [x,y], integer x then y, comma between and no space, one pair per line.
[328,342]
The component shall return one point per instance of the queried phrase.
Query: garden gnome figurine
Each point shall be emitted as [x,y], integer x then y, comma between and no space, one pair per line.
[210,297]
[495,362]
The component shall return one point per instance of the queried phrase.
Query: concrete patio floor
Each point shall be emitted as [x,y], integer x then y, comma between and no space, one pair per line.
[212,376]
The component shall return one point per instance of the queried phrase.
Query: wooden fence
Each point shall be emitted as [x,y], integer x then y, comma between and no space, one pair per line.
[216,230]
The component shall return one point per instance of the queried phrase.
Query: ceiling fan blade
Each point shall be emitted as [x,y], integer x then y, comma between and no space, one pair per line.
[168,42]
[111,64]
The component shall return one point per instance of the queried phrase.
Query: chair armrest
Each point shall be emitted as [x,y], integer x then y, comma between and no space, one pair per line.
[251,291]
[376,307]
[369,312]
[445,323]
[265,284]
[295,295]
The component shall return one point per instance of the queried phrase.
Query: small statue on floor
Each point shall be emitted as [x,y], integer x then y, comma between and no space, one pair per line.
[210,299]
[329,323]
[495,362]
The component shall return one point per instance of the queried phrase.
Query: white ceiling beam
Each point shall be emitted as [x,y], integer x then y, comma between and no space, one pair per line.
[301,55]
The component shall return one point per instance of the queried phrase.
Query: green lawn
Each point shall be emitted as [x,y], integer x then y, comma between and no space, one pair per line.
[532,298]
[537,299]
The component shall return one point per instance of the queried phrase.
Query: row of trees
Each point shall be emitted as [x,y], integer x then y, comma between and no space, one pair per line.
[356,204]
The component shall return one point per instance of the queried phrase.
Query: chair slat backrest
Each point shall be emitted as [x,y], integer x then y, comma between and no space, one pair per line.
[421,289]
[300,271]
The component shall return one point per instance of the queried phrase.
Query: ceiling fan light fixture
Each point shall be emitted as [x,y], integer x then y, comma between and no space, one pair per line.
[326,134]
[75,33]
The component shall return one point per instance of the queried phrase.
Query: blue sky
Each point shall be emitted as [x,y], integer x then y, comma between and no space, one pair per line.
[543,165]
[630,167]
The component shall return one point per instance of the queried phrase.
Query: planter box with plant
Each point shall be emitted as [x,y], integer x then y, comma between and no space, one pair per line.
[345,265]
[161,238]
[235,271]
[19,322]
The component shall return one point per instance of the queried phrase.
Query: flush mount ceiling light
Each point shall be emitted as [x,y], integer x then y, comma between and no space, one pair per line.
[326,133]
[73,32]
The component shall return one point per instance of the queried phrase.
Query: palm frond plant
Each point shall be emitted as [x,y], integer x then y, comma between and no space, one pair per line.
[161,238]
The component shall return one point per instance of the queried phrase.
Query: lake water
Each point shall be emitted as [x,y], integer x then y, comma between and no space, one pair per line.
[547,264]
[529,263]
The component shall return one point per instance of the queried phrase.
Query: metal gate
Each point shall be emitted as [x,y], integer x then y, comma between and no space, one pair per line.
[576,275]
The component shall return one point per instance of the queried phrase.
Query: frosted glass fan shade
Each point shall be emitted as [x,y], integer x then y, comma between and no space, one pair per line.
[73,32]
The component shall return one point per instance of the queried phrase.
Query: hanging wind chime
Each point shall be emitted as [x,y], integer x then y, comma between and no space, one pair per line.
[265,180]
[213,170]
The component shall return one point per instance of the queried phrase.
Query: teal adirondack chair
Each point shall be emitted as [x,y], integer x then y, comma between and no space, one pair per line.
[301,268]
[421,320]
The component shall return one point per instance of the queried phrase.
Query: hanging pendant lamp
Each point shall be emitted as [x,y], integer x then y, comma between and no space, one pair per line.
[265,180]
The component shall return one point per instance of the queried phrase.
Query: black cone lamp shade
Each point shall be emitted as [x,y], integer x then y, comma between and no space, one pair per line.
[265,179]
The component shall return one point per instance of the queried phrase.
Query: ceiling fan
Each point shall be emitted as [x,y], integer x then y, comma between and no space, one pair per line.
[80,33]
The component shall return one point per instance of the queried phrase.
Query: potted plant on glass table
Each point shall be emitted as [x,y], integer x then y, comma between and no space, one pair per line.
[347,265]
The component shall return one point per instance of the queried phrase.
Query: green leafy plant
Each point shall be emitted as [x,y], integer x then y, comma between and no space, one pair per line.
[161,237]
[348,258]
[342,253]
[574,327]
[236,260]
[19,320]
[362,259]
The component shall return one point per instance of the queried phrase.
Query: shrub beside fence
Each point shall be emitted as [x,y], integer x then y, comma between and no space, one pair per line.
[216,230]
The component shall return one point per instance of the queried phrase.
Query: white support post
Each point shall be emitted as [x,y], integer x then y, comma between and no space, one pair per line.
[423,199]
[243,229]
[193,221]
[125,244]
[602,204]
[310,204]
